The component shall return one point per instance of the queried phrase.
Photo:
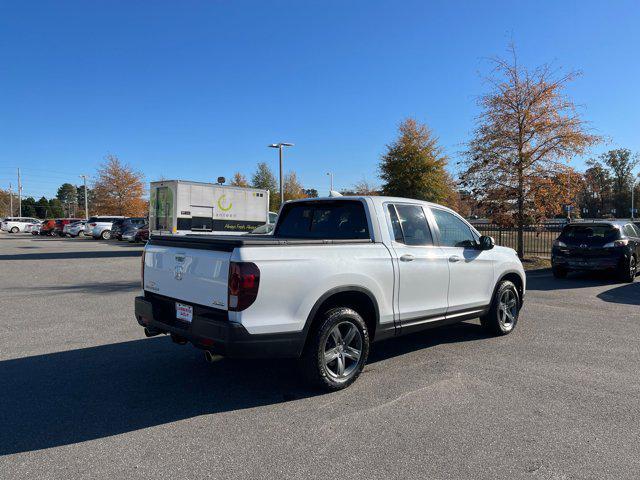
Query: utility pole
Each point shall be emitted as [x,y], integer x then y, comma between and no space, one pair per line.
[633,188]
[19,195]
[569,195]
[10,201]
[86,198]
[331,177]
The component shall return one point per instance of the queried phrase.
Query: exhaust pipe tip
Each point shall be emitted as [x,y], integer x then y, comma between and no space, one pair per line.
[209,357]
[178,339]
[151,332]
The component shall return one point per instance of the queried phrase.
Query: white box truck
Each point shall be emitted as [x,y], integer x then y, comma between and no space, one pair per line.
[181,207]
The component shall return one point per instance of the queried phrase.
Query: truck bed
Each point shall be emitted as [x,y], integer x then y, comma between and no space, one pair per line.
[230,242]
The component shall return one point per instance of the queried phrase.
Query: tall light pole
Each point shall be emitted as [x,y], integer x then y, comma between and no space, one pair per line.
[86,199]
[331,177]
[279,147]
[19,195]
[10,201]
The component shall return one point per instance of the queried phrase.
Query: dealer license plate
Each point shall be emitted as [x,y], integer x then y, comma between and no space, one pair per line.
[184,312]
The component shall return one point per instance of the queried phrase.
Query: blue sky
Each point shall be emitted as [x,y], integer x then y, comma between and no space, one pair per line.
[197,89]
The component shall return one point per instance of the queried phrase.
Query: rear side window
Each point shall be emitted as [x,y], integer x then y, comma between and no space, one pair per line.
[410,225]
[630,230]
[332,220]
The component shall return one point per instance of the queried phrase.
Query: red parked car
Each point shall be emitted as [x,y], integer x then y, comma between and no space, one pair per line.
[48,227]
[61,222]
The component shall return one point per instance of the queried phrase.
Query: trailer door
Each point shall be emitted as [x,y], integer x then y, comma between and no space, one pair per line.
[162,209]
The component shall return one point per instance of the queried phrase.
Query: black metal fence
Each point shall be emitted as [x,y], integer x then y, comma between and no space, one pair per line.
[538,239]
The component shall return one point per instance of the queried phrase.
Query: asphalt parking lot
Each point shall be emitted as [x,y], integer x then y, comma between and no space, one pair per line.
[85,395]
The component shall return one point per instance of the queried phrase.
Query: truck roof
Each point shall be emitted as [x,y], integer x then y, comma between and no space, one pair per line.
[377,199]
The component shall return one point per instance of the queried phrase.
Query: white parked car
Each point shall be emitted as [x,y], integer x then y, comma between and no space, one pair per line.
[100,226]
[18,224]
[74,229]
[335,275]
[32,227]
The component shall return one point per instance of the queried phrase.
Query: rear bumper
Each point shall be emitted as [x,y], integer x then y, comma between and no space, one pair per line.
[210,330]
[600,263]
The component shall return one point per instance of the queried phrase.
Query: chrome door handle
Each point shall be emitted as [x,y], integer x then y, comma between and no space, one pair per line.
[407,257]
[454,258]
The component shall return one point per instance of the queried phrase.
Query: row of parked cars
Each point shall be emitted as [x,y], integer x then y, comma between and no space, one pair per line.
[132,229]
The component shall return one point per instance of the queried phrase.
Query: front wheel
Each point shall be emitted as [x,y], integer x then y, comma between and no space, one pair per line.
[504,311]
[15,230]
[337,349]
[629,270]
[106,235]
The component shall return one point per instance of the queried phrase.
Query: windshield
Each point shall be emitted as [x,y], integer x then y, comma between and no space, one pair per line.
[590,233]
[326,219]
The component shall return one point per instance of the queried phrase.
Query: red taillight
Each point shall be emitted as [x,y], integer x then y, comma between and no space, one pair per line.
[244,279]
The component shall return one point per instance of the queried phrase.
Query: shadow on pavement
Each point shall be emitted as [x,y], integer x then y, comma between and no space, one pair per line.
[625,294]
[79,395]
[71,255]
[88,287]
[547,282]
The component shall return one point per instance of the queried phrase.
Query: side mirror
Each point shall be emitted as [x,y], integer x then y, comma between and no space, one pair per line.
[486,243]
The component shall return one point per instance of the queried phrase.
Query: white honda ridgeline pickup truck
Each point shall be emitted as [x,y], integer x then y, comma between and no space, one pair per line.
[336,274]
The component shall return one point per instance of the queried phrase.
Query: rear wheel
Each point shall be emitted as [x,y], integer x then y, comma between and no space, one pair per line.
[504,311]
[337,349]
[559,272]
[106,235]
[629,270]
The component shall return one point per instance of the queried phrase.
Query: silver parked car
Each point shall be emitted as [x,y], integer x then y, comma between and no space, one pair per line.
[100,226]
[75,229]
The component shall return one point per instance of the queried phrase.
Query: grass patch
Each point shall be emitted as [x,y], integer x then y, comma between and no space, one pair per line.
[536,263]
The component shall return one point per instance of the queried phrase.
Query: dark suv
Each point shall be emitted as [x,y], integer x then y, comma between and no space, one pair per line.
[602,245]
[122,225]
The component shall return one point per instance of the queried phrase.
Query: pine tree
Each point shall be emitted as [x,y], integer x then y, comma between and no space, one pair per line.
[414,165]
[264,179]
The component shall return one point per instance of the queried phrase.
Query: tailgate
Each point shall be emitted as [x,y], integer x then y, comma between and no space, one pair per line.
[192,275]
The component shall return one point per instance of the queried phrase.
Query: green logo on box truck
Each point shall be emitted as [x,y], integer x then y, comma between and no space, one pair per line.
[224,209]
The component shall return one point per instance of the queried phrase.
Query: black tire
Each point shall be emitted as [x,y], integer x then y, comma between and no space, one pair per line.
[629,270]
[323,374]
[497,321]
[559,272]
[15,230]
[105,235]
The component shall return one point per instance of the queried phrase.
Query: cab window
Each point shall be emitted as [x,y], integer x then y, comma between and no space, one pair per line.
[453,231]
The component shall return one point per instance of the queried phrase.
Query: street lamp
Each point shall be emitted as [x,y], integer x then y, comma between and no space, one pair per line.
[279,147]
[331,177]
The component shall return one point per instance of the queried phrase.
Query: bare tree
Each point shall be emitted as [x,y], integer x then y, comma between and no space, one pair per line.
[527,127]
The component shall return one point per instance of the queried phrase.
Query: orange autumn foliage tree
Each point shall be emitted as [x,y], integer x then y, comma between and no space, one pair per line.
[551,193]
[119,190]
[527,125]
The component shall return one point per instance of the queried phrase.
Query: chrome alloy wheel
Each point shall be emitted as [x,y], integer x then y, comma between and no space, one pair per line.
[342,350]
[508,310]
